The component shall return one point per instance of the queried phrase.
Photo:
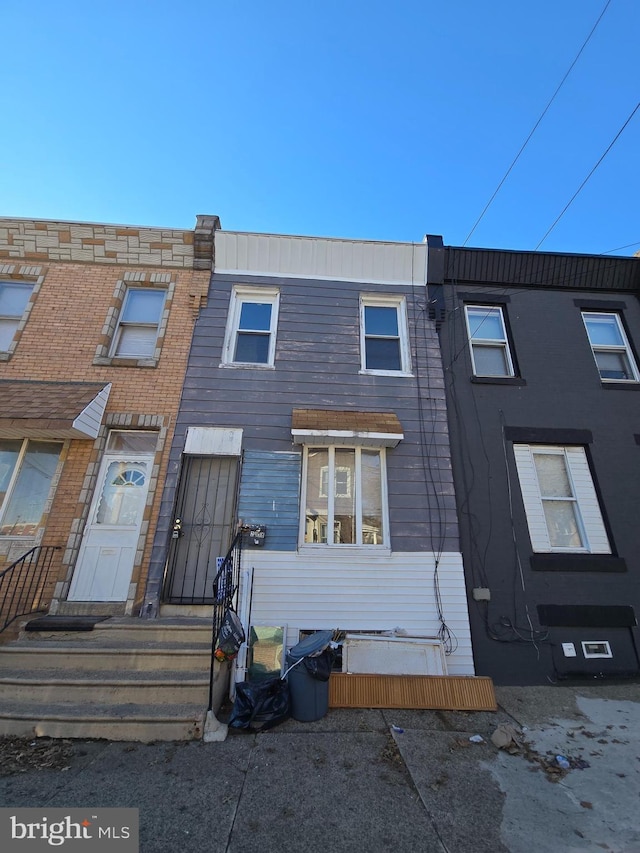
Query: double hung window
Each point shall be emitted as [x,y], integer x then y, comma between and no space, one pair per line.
[344,496]
[610,347]
[490,354]
[14,297]
[383,335]
[26,472]
[561,504]
[251,327]
[138,325]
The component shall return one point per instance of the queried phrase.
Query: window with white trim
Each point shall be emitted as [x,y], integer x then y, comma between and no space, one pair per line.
[384,337]
[560,500]
[27,469]
[354,511]
[14,297]
[490,353]
[138,324]
[251,327]
[610,347]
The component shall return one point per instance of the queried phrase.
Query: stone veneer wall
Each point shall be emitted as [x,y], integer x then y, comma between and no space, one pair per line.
[37,240]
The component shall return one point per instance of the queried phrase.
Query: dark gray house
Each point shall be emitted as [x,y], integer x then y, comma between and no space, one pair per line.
[542,380]
[314,405]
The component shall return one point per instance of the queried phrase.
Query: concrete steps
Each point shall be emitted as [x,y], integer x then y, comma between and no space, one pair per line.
[127,679]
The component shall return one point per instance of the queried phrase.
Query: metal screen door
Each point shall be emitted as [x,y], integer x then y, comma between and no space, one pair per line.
[206,509]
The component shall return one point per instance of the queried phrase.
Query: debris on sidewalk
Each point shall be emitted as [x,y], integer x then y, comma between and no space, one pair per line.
[476,739]
[18,755]
[507,737]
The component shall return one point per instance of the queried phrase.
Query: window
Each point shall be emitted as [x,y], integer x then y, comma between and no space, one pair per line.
[353,512]
[490,353]
[596,649]
[26,471]
[251,327]
[610,347]
[137,330]
[383,335]
[14,297]
[560,500]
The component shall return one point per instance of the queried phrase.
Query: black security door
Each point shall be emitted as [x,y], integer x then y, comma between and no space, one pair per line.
[204,518]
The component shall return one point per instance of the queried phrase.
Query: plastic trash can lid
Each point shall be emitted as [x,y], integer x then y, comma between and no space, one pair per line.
[311,645]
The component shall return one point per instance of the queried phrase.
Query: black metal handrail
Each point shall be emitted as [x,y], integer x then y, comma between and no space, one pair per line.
[24,584]
[226,585]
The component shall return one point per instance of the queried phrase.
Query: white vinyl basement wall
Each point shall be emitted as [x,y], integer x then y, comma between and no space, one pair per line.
[361,593]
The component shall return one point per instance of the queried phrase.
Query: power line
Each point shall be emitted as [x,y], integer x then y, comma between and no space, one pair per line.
[571,200]
[620,248]
[535,127]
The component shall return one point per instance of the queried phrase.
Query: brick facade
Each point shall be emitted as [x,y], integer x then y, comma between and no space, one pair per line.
[80,272]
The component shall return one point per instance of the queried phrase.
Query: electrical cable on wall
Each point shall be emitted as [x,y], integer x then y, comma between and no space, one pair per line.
[427,445]
[505,628]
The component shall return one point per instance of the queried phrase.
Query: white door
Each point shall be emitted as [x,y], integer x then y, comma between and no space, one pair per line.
[110,539]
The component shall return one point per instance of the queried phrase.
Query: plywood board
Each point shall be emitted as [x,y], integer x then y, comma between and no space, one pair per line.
[448,692]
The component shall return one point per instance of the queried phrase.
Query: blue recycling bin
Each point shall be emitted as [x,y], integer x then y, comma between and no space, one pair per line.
[309,696]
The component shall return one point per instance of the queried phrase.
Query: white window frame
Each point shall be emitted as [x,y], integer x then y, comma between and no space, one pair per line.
[587,505]
[399,303]
[122,324]
[17,469]
[16,319]
[624,349]
[239,295]
[492,343]
[605,653]
[330,524]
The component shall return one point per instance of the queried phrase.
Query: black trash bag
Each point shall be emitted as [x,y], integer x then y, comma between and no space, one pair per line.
[320,666]
[260,705]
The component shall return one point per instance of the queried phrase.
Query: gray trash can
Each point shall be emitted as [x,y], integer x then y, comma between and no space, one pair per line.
[309,696]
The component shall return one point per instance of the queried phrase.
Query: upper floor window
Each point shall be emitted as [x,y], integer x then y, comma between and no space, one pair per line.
[251,327]
[384,338]
[610,347]
[563,512]
[137,330]
[27,469]
[490,354]
[14,297]
[344,496]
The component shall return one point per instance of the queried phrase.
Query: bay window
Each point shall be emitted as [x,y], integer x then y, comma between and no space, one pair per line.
[344,496]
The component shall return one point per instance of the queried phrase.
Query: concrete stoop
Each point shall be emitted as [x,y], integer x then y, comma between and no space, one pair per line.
[127,679]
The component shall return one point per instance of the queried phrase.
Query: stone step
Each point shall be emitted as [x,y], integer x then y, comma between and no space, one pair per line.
[126,722]
[177,631]
[105,688]
[73,656]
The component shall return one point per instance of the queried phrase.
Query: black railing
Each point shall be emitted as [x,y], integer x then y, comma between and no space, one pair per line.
[25,586]
[225,595]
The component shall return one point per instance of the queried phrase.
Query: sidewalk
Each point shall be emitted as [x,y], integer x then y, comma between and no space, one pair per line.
[377,781]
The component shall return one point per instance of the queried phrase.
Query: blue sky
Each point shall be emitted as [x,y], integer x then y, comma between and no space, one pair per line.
[368,120]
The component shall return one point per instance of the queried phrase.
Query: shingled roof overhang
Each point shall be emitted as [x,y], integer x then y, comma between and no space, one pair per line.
[320,427]
[31,409]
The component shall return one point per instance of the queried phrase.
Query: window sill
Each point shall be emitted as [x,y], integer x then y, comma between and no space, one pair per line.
[321,548]
[616,385]
[243,366]
[125,362]
[397,373]
[568,562]
[499,380]
[5,355]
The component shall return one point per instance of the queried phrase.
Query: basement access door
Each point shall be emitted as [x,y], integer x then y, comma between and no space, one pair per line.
[206,510]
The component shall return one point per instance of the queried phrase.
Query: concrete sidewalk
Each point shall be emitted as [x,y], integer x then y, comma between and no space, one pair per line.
[378,781]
